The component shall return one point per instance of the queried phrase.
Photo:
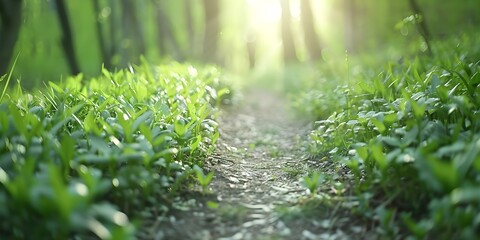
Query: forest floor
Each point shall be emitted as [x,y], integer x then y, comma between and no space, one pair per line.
[256,192]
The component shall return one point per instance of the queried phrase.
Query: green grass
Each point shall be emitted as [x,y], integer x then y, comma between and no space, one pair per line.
[410,135]
[84,156]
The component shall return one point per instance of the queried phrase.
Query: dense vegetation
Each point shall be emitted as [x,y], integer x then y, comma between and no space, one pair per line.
[95,140]
[82,156]
[409,136]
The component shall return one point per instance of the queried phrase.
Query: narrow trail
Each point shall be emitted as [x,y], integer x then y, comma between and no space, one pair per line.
[261,142]
[261,156]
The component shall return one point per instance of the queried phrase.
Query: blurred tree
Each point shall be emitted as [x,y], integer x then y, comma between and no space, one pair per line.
[114,33]
[311,39]
[165,33]
[212,30]
[350,26]
[421,24]
[289,50]
[67,38]
[105,52]
[189,25]
[252,49]
[10,22]
[133,42]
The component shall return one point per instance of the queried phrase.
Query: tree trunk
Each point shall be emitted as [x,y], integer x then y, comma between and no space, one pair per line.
[190,27]
[252,49]
[106,57]
[350,29]
[422,25]
[212,30]
[10,22]
[289,51]
[310,35]
[133,33]
[165,33]
[113,33]
[67,39]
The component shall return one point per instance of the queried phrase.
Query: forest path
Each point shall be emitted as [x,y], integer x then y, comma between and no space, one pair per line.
[260,157]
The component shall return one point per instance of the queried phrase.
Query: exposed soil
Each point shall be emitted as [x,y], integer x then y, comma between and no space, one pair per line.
[256,192]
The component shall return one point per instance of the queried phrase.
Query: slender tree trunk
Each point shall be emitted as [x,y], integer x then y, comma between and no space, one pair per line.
[212,30]
[161,33]
[350,29]
[165,33]
[289,51]
[133,33]
[113,34]
[67,39]
[252,49]
[10,22]
[190,27]
[106,58]
[422,25]
[310,35]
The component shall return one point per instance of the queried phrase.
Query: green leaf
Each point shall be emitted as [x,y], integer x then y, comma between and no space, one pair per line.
[378,155]
[142,119]
[3,176]
[107,211]
[380,126]
[147,132]
[464,161]
[392,141]
[126,123]
[222,92]
[465,195]
[418,110]
[67,150]
[442,93]
[64,201]
[18,121]
[389,119]
[180,127]
[56,87]
[90,125]
[9,77]
[362,152]
[444,172]
[312,182]
[196,143]
[212,205]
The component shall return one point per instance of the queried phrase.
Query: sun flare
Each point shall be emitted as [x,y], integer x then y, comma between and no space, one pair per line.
[267,12]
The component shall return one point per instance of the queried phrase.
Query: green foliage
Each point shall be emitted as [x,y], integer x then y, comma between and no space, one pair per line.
[8,79]
[312,182]
[410,138]
[201,178]
[82,156]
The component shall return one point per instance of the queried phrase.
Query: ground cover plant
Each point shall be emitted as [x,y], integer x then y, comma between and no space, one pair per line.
[383,144]
[85,157]
[408,136]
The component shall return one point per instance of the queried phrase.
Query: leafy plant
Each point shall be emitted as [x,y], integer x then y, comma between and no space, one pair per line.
[79,157]
[407,134]
[202,179]
[312,182]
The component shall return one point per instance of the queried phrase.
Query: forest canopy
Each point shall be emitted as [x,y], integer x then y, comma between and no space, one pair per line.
[54,38]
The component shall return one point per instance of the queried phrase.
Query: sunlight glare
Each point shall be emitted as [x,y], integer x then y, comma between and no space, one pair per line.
[266,12]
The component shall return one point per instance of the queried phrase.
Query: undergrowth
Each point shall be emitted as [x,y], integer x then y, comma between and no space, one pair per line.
[409,134]
[81,158]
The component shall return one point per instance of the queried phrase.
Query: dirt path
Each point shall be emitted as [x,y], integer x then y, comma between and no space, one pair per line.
[260,158]
[263,143]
